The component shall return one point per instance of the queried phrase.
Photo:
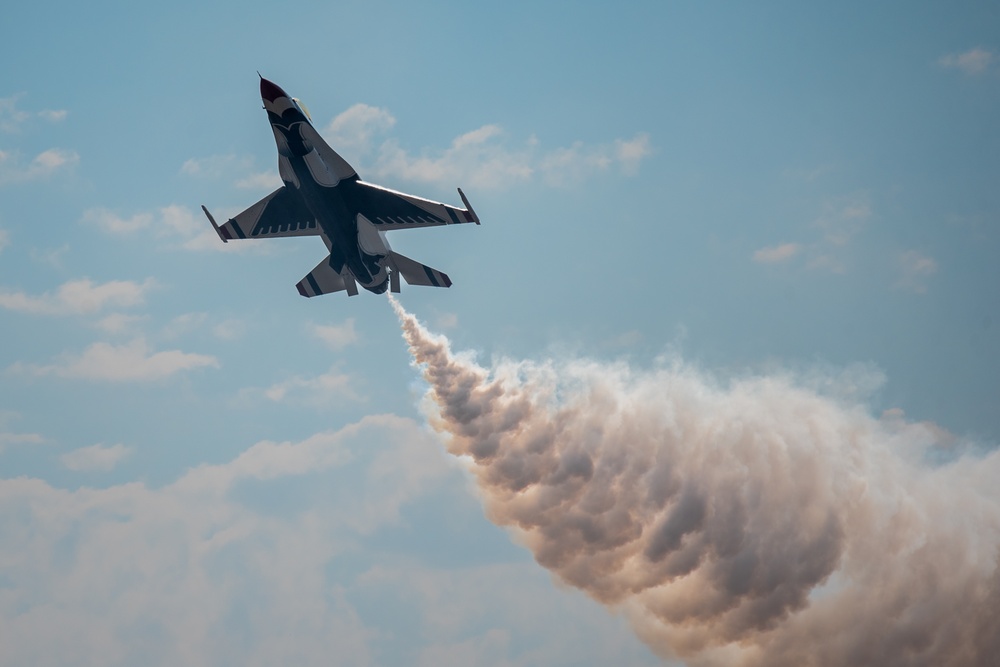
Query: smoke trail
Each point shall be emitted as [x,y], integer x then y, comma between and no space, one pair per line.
[757,523]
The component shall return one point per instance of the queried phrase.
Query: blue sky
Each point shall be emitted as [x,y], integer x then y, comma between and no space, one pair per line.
[766,188]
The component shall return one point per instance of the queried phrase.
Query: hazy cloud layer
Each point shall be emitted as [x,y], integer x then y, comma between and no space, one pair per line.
[95,457]
[484,158]
[129,362]
[747,523]
[78,297]
[207,570]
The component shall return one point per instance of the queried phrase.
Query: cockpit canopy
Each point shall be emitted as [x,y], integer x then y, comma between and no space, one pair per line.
[301,106]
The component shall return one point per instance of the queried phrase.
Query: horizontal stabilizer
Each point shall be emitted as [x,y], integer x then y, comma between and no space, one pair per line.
[324,280]
[416,273]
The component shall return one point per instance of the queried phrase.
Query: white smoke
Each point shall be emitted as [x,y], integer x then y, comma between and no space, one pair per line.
[749,523]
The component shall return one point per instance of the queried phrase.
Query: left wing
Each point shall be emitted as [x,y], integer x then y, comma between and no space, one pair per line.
[388,209]
[281,213]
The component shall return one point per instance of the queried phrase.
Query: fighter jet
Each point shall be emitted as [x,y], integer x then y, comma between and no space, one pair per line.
[323,196]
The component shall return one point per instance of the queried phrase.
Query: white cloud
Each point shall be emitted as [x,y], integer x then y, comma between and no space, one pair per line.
[51,256]
[4,239]
[336,336]
[974,61]
[79,297]
[19,439]
[321,391]
[95,457]
[843,220]
[184,324]
[447,321]
[232,166]
[119,323]
[12,118]
[207,571]
[131,362]
[230,329]
[914,269]
[354,130]
[482,158]
[775,254]
[112,223]
[262,180]
[43,165]
[840,222]
[53,115]
[632,151]
[190,230]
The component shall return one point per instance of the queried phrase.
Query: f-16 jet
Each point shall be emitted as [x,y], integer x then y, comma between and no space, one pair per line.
[323,196]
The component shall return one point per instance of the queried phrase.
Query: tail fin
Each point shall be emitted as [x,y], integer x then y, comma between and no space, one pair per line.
[416,273]
[324,280]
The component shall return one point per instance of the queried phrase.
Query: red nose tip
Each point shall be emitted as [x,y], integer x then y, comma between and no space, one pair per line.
[270,91]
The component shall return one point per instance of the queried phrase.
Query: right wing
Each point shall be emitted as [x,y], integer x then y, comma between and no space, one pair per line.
[281,213]
[388,209]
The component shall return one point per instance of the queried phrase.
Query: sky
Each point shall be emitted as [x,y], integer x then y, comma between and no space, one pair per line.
[199,466]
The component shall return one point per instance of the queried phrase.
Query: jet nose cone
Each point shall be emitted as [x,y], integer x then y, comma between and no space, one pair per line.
[270,91]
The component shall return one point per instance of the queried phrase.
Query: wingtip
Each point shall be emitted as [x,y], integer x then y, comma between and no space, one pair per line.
[218,230]
[468,206]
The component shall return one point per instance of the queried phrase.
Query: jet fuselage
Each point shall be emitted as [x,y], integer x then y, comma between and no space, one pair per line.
[328,196]
[322,195]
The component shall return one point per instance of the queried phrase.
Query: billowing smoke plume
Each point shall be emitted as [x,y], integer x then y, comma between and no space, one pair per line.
[751,523]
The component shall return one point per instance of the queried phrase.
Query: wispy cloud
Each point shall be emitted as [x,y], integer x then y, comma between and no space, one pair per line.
[974,61]
[95,457]
[261,180]
[230,329]
[776,254]
[238,167]
[336,336]
[839,223]
[217,166]
[12,117]
[915,269]
[4,239]
[19,439]
[131,362]
[484,157]
[43,165]
[188,230]
[79,297]
[112,223]
[119,323]
[53,115]
[319,390]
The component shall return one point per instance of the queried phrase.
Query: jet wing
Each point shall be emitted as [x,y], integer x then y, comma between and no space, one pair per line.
[388,209]
[281,213]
